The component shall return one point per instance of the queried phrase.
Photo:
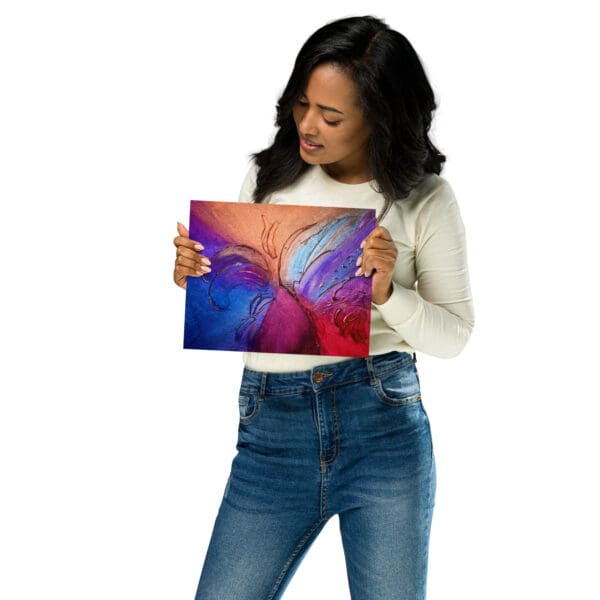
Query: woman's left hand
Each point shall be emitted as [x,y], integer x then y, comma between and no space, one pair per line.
[378,259]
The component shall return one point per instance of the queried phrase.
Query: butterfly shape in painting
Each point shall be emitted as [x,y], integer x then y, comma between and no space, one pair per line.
[282,279]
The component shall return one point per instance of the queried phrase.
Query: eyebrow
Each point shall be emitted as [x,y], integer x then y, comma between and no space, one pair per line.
[323,107]
[335,110]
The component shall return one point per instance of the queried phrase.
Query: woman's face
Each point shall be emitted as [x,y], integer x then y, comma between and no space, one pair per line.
[331,126]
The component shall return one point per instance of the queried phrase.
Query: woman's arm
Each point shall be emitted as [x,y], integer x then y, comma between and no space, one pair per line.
[437,318]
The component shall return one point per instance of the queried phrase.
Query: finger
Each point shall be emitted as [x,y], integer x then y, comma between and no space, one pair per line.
[377,242]
[179,280]
[388,253]
[180,277]
[180,273]
[196,265]
[192,254]
[183,239]
[187,243]
[182,230]
[382,263]
[380,232]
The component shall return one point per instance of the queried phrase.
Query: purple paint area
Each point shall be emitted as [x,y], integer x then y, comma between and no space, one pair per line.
[286,328]
[282,280]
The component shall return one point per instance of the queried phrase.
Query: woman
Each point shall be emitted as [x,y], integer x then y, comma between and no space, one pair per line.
[320,436]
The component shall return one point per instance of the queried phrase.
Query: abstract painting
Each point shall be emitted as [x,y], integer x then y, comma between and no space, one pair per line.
[282,279]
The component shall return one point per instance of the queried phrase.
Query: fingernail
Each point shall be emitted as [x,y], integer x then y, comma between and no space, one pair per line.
[362,244]
[359,260]
[205,261]
[358,272]
[198,247]
[206,269]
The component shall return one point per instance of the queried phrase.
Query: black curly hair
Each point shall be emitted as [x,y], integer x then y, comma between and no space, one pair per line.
[395,96]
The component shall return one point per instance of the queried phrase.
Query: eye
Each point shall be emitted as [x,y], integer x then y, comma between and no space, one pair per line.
[332,123]
[302,102]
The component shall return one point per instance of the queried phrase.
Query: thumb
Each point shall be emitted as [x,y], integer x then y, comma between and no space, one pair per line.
[182,231]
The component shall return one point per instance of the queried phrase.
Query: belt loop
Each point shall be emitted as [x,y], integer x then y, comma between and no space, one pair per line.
[263,386]
[414,357]
[371,368]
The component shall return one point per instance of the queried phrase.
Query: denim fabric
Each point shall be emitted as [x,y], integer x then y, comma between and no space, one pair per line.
[350,439]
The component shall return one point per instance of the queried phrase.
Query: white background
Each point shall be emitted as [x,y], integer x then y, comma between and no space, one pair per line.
[115,444]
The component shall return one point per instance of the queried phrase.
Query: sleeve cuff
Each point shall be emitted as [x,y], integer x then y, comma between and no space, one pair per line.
[400,307]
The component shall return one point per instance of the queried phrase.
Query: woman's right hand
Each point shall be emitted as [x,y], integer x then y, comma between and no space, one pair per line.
[188,260]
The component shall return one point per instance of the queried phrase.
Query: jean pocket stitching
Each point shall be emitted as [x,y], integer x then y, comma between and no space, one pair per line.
[243,401]
[394,401]
[389,401]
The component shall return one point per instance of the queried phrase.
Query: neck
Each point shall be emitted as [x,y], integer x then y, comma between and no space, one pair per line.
[347,174]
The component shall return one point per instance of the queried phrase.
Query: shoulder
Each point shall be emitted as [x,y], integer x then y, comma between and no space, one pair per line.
[434,192]
[432,202]
[425,205]
[249,183]
[438,215]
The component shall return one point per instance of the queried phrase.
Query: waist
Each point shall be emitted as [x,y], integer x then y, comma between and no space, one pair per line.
[327,375]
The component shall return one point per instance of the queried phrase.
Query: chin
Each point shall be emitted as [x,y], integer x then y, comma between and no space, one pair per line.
[311,160]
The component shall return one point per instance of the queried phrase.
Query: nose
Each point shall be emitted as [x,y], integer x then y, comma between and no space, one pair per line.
[308,123]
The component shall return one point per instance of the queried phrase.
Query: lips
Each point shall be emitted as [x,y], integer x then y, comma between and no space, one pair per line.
[309,146]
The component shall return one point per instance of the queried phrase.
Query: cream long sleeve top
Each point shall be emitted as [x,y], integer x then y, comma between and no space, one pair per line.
[430,309]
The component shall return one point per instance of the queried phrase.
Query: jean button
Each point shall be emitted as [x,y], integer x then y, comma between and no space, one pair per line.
[319,376]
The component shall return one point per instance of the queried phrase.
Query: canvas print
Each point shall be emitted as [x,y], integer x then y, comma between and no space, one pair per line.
[282,279]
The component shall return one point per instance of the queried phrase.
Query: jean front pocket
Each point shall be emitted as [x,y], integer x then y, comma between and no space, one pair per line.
[399,387]
[249,404]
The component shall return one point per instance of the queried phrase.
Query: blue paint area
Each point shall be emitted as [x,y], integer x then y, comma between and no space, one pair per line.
[225,308]
[310,302]
[305,251]
[325,257]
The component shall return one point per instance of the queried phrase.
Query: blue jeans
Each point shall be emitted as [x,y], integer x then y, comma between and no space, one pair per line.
[350,439]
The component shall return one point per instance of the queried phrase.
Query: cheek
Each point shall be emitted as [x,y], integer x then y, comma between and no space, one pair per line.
[297,115]
[357,138]
[346,141]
